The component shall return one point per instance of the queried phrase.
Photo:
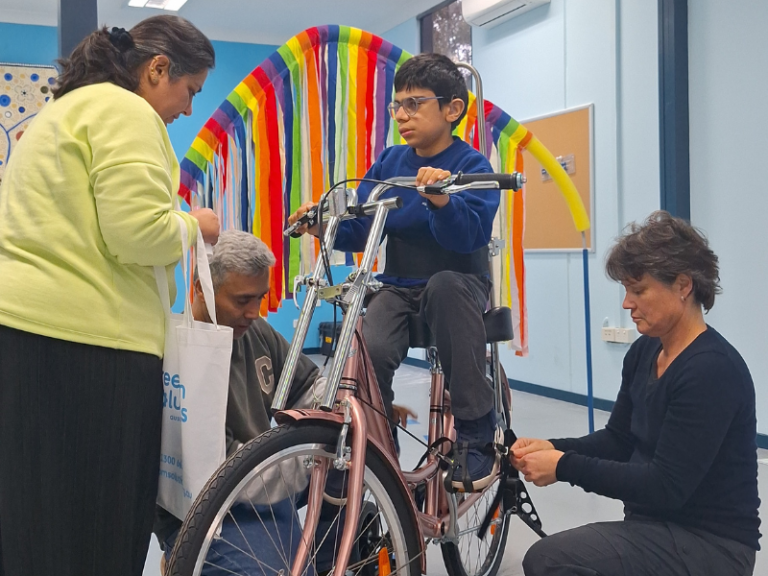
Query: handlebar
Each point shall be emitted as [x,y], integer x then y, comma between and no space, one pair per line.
[512,181]
[451,185]
[461,182]
[366,209]
[310,219]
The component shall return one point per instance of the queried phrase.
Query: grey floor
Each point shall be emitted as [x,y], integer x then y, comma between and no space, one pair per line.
[560,506]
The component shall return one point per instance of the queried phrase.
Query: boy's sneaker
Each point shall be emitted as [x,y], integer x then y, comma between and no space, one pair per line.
[474,445]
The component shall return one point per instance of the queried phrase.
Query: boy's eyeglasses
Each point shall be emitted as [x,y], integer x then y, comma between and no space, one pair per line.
[410,104]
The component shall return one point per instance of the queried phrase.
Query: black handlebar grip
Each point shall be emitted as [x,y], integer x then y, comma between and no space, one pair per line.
[309,218]
[512,181]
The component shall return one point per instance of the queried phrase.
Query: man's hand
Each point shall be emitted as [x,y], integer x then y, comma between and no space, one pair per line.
[428,176]
[539,467]
[401,415]
[303,209]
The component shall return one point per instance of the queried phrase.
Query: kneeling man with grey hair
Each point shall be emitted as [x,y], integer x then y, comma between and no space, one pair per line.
[240,271]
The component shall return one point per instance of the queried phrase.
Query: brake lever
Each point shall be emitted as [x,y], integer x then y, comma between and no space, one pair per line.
[438,188]
[432,190]
[309,218]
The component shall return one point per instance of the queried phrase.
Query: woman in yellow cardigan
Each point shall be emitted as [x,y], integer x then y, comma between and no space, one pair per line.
[86,211]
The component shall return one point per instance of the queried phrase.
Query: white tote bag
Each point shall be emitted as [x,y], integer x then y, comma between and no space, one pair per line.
[195,389]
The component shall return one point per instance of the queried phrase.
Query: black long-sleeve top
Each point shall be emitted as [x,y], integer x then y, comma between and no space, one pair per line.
[680,448]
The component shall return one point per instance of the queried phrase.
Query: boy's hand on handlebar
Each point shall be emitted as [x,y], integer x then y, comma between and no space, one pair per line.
[428,176]
[303,209]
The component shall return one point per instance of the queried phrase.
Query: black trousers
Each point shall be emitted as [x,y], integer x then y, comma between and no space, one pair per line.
[453,306]
[79,456]
[638,548]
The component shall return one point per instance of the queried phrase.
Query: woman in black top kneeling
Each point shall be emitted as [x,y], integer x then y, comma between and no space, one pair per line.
[680,446]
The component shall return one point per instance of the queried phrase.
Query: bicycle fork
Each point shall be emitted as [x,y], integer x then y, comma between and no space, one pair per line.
[354,421]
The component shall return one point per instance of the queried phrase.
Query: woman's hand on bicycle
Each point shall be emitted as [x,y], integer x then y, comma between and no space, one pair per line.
[401,414]
[539,467]
[534,459]
[208,223]
[525,446]
[301,211]
[428,176]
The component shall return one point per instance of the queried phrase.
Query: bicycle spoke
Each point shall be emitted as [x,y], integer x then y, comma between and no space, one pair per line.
[337,521]
[266,529]
[225,569]
[237,525]
[294,513]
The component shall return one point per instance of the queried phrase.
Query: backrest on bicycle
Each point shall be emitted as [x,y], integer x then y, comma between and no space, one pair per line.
[497,322]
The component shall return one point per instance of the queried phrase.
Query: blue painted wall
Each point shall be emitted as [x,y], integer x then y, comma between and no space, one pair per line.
[234,61]
[22,44]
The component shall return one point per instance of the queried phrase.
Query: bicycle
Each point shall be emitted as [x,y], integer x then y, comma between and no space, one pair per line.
[320,467]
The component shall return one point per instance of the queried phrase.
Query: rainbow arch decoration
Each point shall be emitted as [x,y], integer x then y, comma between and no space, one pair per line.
[314,113]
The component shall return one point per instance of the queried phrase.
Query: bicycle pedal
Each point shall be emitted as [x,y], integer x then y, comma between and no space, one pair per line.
[496,448]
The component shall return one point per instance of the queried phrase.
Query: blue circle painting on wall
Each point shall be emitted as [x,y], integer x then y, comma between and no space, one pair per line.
[21,98]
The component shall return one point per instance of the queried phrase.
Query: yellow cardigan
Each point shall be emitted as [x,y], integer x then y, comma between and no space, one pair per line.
[86,211]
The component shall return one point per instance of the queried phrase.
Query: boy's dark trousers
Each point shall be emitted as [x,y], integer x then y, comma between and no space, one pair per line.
[452,305]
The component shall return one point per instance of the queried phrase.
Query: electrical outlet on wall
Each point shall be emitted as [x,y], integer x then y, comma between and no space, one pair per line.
[625,335]
[608,334]
[618,335]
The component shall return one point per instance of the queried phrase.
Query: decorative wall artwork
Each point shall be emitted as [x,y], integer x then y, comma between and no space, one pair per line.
[24,90]
[315,112]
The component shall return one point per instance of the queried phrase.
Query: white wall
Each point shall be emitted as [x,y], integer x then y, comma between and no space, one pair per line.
[405,36]
[728,62]
[563,55]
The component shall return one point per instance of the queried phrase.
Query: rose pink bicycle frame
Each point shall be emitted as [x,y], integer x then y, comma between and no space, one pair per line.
[352,392]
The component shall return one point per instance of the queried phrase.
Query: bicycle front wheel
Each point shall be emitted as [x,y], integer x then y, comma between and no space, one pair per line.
[249,519]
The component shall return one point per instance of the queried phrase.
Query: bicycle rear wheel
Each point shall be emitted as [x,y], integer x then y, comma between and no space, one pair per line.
[472,556]
[249,518]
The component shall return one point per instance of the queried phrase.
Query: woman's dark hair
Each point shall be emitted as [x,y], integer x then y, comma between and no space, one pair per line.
[117,56]
[665,247]
[437,73]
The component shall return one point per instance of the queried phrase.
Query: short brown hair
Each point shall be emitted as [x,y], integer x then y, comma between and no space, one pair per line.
[665,247]
[437,73]
[100,58]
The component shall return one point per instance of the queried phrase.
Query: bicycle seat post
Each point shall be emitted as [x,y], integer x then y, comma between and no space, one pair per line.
[495,247]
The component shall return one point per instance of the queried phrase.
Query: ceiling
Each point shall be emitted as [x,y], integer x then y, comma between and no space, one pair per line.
[254,21]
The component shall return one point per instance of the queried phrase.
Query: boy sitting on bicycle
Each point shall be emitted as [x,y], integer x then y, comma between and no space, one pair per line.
[436,254]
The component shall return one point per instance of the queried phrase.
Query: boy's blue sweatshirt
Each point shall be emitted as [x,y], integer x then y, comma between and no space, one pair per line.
[464,225]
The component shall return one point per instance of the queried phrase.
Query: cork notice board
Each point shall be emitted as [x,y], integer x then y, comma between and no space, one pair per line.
[548,222]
